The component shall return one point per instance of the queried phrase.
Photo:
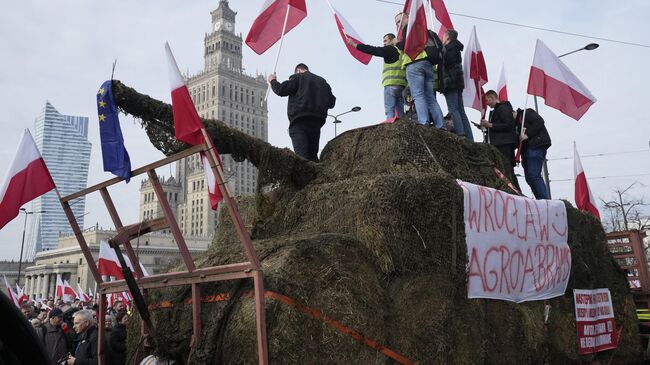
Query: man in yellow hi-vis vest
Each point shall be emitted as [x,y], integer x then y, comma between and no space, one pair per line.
[420,76]
[393,77]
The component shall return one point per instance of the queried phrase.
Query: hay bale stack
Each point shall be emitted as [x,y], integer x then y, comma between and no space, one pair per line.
[374,239]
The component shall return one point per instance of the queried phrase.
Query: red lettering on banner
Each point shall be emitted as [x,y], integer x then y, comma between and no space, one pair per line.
[487,203]
[540,252]
[472,266]
[504,266]
[472,216]
[562,230]
[543,227]
[502,213]
[492,272]
[528,268]
[509,199]
[529,220]
[520,261]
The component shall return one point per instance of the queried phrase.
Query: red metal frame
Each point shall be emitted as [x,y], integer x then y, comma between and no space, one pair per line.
[192,276]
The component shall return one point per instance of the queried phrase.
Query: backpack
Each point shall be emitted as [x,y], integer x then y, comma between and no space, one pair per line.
[433,48]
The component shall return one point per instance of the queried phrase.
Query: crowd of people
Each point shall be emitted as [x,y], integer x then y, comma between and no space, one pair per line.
[436,69]
[69,333]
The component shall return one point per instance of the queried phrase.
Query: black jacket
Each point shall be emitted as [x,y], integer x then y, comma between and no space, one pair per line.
[309,96]
[503,131]
[85,347]
[57,344]
[452,69]
[117,345]
[389,53]
[538,136]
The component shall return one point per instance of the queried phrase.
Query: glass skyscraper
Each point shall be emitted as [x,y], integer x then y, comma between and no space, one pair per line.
[63,142]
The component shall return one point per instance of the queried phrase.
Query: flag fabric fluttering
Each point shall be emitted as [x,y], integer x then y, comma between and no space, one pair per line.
[416,36]
[267,27]
[109,265]
[27,179]
[347,32]
[188,125]
[11,293]
[583,198]
[114,155]
[502,88]
[21,296]
[81,295]
[475,74]
[441,19]
[551,79]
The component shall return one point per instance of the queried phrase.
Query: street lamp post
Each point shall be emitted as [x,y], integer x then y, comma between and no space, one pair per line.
[22,244]
[589,47]
[337,120]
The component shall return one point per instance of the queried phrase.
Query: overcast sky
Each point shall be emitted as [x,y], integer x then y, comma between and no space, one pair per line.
[61,51]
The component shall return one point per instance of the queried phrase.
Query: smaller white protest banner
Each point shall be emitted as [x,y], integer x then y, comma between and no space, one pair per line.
[517,247]
[595,321]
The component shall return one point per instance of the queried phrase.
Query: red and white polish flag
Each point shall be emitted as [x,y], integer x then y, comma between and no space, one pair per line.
[502,88]
[475,74]
[441,19]
[584,200]
[551,79]
[81,295]
[22,297]
[347,32]
[187,124]
[267,27]
[27,179]
[11,293]
[416,31]
[109,265]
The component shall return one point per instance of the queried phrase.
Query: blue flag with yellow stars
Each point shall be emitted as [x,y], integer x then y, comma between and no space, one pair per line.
[116,158]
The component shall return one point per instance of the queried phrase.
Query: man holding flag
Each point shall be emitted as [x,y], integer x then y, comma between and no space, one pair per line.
[310,96]
[393,77]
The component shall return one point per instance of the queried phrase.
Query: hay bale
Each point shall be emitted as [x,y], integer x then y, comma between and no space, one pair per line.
[373,237]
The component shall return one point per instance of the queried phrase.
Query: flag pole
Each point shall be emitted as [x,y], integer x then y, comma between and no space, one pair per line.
[277,58]
[523,129]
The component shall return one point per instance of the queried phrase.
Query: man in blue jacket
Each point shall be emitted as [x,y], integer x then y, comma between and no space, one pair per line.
[310,96]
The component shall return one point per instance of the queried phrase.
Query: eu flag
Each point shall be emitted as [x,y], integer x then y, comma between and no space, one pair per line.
[116,158]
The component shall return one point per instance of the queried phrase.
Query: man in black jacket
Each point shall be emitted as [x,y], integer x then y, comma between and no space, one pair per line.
[393,77]
[84,348]
[535,140]
[501,132]
[117,340]
[452,83]
[310,96]
[57,343]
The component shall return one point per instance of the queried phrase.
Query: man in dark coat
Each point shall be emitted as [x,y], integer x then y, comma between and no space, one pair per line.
[534,142]
[85,344]
[57,344]
[501,132]
[117,340]
[452,83]
[310,96]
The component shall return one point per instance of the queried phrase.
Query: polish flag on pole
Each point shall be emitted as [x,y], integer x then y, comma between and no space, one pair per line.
[267,27]
[441,20]
[584,200]
[551,79]
[188,125]
[21,296]
[109,265]
[416,36]
[10,293]
[68,293]
[26,179]
[475,74]
[347,32]
[502,89]
[81,295]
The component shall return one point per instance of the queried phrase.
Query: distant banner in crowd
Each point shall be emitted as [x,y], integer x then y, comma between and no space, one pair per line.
[595,321]
[517,247]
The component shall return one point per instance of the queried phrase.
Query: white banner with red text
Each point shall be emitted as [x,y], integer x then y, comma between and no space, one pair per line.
[595,321]
[516,247]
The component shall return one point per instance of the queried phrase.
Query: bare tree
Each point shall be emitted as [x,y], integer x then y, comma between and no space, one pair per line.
[625,212]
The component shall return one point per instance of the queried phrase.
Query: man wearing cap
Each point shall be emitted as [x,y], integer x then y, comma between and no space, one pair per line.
[57,344]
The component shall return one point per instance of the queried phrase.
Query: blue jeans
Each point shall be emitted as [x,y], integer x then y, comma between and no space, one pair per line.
[532,162]
[420,78]
[393,101]
[457,110]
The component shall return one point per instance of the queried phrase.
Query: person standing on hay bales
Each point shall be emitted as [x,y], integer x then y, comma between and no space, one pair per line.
[310,96]
[393,77]
[501,132]
[452,83]
[535,140]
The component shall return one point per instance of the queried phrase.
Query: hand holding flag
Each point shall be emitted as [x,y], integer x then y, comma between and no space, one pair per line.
[275,20]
